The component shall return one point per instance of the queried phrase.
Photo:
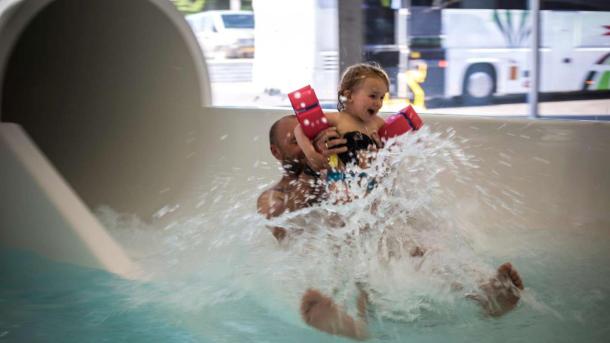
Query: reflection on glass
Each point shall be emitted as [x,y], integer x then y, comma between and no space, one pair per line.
[458,57]
[224,34]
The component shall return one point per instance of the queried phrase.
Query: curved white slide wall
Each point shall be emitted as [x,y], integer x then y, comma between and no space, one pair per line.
[110,91]
[114,97]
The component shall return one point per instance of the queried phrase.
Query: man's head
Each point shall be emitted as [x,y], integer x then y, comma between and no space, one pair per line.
[284,146]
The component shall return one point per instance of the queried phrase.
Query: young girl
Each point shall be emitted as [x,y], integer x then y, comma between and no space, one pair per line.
[361,91]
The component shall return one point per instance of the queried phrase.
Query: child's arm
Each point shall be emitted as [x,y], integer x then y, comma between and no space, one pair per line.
[379,123]
[316,160]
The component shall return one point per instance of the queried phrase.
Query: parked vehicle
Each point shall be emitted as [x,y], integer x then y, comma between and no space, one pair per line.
[480,49]
[224,34]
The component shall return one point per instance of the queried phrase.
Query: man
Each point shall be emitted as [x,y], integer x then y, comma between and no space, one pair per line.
[297,189]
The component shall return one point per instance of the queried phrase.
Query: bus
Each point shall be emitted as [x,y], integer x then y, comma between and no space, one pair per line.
[473,49]
[478,49]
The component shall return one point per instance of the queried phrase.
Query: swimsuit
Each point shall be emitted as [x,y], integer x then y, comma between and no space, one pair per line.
[356,141]
[310,172]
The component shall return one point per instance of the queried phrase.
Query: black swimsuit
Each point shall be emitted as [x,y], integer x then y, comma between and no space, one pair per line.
[356,141]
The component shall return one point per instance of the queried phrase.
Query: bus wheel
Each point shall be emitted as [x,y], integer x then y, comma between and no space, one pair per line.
[479,84]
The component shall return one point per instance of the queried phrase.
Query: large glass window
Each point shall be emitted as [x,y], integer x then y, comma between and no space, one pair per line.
[455,57]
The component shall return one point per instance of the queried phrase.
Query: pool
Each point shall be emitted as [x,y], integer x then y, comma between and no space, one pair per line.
[44,301]
[566,273]
[174,182]
[220,276]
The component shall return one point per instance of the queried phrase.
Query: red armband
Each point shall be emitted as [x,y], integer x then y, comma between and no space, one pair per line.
[309,113]
[397,124]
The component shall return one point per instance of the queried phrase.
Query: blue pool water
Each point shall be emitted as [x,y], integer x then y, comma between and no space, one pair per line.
[44,301]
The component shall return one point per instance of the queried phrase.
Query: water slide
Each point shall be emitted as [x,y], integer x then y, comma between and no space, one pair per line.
[108,104]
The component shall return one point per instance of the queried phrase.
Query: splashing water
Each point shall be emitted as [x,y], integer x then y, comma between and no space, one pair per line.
[369,240]
[222,274]
[228,253]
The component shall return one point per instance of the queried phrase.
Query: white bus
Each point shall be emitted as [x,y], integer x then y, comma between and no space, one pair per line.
[473,49]
[477,49]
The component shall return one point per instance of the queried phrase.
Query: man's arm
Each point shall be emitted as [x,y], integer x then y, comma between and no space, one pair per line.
[271,203]
[298,193]
[329,142]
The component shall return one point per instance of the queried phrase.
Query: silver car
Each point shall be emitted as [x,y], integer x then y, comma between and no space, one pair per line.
[224,34]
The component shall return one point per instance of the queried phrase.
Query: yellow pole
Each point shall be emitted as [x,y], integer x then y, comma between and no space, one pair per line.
[414,78]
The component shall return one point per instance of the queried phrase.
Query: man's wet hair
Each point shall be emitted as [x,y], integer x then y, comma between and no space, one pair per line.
[273,139]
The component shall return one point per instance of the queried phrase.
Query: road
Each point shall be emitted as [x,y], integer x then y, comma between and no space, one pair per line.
[232,85]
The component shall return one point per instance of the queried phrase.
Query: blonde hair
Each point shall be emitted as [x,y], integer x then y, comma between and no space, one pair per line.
[354,75]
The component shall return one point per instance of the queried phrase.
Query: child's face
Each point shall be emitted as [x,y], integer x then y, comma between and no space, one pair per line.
[366,99]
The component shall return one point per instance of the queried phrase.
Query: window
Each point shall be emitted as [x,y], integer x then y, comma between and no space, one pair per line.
[449,56]
[238,21]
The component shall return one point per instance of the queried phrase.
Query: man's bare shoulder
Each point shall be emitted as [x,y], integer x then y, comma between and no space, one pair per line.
[269,193]
[271,201]
[266,203]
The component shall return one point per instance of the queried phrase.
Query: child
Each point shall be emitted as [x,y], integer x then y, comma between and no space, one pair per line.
[361,91]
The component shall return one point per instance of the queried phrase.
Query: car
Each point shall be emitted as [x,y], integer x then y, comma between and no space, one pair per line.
[224,34]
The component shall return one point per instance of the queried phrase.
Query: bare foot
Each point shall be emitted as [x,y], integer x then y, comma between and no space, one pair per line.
[279,233]
[501,293]
[322,313]
[417,252]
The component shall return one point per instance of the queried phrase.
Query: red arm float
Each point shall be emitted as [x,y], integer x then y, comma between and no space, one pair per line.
[400,123]
[309,113]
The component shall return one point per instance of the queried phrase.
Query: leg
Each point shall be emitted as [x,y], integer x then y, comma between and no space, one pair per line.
[322,313]
[501,293]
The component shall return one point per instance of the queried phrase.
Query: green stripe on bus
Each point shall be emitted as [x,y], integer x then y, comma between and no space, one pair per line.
[604,81]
